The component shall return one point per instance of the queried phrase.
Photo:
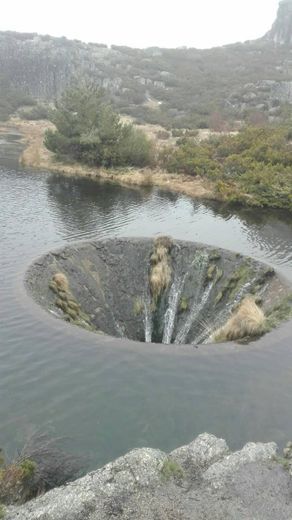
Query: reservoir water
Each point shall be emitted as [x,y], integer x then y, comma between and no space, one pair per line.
[106,398]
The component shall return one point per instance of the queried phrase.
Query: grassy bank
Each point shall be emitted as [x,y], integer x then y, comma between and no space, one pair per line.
[36,156]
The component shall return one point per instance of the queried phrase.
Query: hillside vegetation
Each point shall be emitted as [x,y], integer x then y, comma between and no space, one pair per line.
[11,99]
[177,88]
[253,167]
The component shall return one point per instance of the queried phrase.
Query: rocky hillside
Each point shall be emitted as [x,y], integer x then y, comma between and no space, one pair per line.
[200,481]
[281,32]
[173,87]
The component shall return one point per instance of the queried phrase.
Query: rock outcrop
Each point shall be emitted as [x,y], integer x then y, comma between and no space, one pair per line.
[200,481]
[281,32]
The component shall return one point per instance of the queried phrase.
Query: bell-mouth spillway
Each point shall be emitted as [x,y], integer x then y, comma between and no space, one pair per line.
[160,291]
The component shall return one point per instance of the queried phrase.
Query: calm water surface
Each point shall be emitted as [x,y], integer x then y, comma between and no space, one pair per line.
[107,399]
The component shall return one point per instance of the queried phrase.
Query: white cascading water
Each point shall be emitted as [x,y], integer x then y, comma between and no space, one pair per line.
[147,319]
[194,314]
[200,264]
[171,312]
[206,335]
[202,294]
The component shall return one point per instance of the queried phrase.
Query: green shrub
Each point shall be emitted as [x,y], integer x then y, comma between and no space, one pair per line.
[28,468]
[34,113]
[282,311]
[183,304]
[89,131]
[253,167]
[16,481]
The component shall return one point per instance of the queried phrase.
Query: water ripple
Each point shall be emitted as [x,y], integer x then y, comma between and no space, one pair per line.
[113,401]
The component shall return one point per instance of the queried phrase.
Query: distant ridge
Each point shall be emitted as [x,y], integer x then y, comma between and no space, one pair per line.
[175,88]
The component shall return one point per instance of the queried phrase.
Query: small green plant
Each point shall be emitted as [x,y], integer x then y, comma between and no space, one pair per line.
[214,255]
[138,306]
[171,469]
[286,463]
[183,304]
[2,512]
[219,274]
[281,312]
[17,481]
[211,272]
[238,278]
[219,297]
[28,468]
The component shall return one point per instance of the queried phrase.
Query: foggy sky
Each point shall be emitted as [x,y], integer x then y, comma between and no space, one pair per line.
[143,23]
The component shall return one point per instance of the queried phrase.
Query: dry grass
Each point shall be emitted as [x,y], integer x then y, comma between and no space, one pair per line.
[61,282]
[163,241]
[160,253]
[248,320]
[35,154]
[160,273]
[160,277]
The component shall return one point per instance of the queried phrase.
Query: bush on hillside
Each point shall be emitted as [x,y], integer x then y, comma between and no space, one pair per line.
[34,113]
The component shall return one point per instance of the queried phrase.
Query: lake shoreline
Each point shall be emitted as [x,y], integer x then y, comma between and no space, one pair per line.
[36,156]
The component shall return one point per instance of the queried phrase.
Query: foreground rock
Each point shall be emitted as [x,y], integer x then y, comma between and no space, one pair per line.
[202,480]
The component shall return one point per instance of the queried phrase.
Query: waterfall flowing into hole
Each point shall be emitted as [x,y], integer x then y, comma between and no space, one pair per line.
[171,311]
[206,335]
[151,290]
[200,265]
[148,319]
[194,315]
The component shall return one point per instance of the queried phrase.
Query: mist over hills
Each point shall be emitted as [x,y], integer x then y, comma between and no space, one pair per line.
[172,87]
